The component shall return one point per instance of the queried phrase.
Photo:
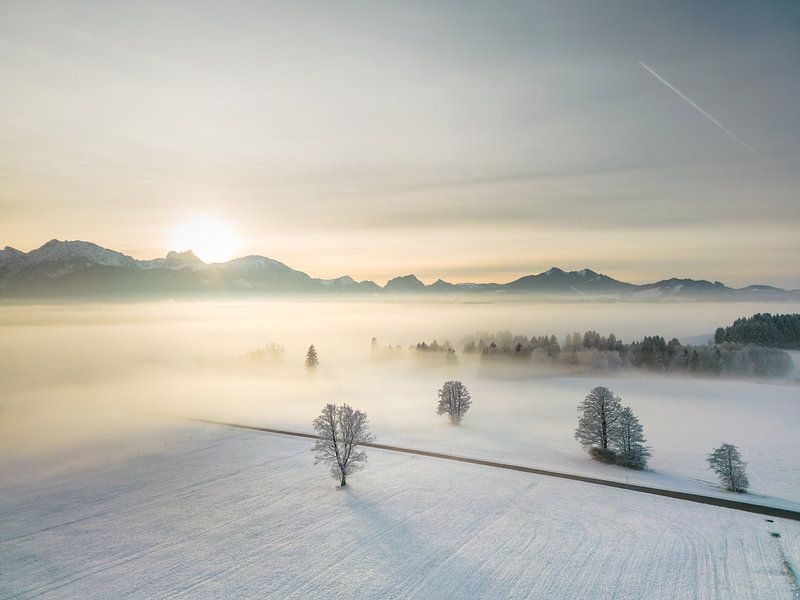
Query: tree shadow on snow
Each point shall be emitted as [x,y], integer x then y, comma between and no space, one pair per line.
[413,558]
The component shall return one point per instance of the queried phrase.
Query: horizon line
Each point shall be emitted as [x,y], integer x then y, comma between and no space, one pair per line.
[433,281]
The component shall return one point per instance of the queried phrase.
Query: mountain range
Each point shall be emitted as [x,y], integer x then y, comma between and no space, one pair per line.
[83,269]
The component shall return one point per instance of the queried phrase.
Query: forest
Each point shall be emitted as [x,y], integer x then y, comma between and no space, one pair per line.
[763,329]
[652,353]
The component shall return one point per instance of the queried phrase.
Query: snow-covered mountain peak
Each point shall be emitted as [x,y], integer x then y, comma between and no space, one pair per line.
[67,250]
[254,263]
[71,267]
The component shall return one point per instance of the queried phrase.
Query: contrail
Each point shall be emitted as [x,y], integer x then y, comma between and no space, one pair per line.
[700,110]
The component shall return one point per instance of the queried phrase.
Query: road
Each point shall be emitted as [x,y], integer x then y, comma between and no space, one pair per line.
[700,499]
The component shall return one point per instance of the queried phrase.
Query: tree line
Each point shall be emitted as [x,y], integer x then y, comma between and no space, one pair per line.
[593,350]
[763,329]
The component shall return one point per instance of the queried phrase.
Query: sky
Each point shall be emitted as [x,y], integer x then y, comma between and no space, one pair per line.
[471,141]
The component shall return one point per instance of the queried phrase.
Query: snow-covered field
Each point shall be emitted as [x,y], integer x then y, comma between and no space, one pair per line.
[101,498]
[532,421]
[201,511]
[183,358]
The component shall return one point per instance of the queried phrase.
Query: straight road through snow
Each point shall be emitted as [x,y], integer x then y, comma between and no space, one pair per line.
[710,500]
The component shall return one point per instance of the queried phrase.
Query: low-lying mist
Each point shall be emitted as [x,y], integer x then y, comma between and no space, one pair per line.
[88,372]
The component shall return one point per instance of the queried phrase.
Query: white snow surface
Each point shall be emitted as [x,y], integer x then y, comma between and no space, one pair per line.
[56,250]
[532,422]
[250,264]
[186,358]
[202,511]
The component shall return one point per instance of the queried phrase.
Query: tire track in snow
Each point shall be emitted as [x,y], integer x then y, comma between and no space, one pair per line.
[103,513]
[369,541]
[274,544]
[760,509]
[786,565]
[467,537]
[112,563]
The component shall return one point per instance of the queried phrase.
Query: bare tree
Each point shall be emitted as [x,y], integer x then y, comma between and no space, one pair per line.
[727,463]
[454,400]
[312,360]
[271,353]
[627,439]
[341,431]
[274,351]
[597,415]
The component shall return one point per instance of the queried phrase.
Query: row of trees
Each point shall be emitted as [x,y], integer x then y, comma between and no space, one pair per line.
[655,354]
[591,339]
[505,344]
[594,351]
[273,353]
[378,352]
[434,352]
[764,329]
[610,432]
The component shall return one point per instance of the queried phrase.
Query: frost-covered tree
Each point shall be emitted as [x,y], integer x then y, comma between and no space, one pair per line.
[341,430]
[272,353]
[763,329]
[454,401]
[628,442]
[727,463]
[597,416]
[312,360]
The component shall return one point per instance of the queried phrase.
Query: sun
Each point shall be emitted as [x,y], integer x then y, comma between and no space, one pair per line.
[211,239]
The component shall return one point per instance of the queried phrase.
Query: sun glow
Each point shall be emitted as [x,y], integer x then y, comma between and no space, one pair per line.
[211,239]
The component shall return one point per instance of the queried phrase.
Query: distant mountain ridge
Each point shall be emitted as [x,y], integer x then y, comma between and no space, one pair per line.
[83,269]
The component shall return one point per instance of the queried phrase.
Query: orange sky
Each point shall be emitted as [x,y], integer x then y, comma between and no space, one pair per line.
[447,141]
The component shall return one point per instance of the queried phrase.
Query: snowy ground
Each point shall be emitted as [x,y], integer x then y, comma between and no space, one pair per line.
[201,511]
[528,421]
[531,421]
[93,506]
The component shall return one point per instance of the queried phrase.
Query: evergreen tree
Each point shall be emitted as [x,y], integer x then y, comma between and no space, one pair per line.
[694,362]
[573,359]
[673,347]
[611,342]
[763,329]
[312,360]
[553,348]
